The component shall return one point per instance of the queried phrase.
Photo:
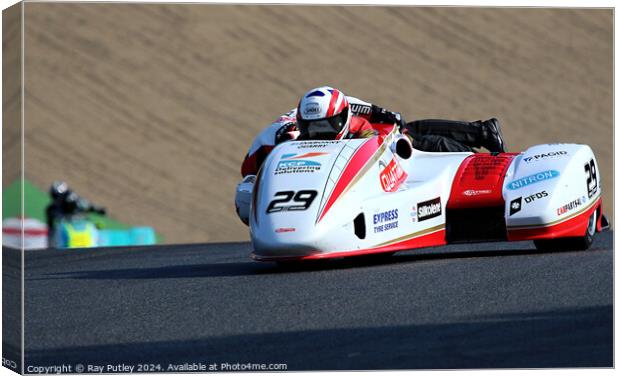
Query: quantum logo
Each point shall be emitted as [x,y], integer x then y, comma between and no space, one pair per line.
[533,179]
[392,176]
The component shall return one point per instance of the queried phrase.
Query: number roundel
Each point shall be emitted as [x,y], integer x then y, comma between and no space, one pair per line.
[591,179]
[301,201]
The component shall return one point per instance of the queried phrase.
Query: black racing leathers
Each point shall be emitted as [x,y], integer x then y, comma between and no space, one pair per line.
[437,135]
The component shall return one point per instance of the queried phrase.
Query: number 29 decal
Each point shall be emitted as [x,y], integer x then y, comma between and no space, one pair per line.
[301,201]
[591,181]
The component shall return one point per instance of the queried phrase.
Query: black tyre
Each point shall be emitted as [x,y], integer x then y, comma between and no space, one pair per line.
[570,244]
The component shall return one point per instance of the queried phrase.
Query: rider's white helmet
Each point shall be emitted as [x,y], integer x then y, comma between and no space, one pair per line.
[323,113]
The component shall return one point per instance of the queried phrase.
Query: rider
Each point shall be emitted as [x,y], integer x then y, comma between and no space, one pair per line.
[65,203]
[326,113]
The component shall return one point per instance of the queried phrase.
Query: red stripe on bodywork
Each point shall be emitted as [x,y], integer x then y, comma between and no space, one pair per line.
[433,239]
[479,181]
[573,227]
[356,163]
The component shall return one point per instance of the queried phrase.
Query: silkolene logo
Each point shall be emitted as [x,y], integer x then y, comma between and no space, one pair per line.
[429,209]
[533,179]
[392,176]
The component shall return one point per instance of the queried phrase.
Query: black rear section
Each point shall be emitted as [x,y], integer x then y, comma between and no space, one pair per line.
[475,225]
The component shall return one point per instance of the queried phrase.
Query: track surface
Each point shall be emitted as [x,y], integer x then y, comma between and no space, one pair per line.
[465,306]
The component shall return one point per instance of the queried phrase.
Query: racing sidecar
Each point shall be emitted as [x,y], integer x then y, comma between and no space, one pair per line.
[331,199]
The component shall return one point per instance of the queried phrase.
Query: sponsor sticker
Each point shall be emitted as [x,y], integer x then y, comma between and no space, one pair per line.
[476,192]
[533,179]
[429,209]
[285,229]
[315,144]
[392,176]
[312,109]
[536,196]
[515,205]
[538,157]
[571,205]
[297,163]
[385,221]
[360,109]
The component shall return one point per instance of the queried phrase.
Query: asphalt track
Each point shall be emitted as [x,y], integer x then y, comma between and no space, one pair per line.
[493,305]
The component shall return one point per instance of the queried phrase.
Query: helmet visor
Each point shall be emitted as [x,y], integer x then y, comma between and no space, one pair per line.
[327,128]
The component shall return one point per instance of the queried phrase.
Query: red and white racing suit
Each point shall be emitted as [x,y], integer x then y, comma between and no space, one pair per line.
[360,127]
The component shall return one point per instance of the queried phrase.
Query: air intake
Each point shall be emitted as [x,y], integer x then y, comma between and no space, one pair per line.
[360,226]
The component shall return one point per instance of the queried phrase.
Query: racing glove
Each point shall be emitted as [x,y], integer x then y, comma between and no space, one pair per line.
[286,132]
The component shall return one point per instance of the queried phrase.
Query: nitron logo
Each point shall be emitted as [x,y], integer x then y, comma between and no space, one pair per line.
[533,179]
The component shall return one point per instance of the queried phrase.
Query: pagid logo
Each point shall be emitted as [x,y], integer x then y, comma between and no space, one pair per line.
[533,179]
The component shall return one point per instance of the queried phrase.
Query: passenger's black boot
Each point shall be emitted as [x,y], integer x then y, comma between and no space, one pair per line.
[492,136]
